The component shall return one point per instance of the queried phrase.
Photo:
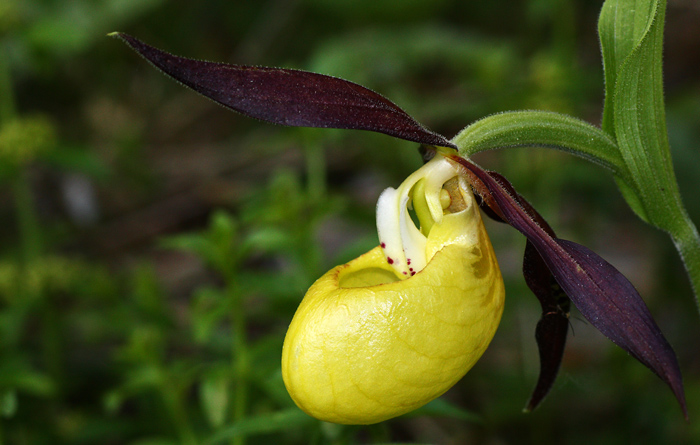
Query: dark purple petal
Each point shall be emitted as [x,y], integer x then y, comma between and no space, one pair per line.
[290,97]
[616,309]
[603,295]
[553,325]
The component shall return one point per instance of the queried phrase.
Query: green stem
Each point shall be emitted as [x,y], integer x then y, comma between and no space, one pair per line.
[52,344]
[27,221]
[7,103]
[7,112]
[173,401]
[315,169]
[241,363]
[30,240]
[316,191]
[687,241]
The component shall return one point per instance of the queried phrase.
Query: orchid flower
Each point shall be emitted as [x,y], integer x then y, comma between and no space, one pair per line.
[398,326]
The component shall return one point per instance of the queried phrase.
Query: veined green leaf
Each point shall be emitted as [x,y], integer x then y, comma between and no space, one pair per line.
[541,129]
[640,125]
[214,393]
[631,36]
[621,26]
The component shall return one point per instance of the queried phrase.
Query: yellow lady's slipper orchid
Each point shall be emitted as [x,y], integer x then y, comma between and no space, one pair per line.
[396,327]
[373,340]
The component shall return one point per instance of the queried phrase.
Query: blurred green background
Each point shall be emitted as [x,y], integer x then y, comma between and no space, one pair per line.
[154,246]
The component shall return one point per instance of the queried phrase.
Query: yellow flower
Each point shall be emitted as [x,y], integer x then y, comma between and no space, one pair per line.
[373,340]
[398,326]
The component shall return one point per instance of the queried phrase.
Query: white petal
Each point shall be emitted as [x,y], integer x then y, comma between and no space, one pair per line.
[403,244]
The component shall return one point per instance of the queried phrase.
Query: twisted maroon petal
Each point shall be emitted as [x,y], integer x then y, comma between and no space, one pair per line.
[553,326]
[601,293]
[290,97]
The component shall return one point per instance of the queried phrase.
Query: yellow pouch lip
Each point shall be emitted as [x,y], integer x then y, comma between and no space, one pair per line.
[369,343]
[441,281]
[371,263]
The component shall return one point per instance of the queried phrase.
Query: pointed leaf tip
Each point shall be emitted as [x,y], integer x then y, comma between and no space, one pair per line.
[612,304]
[290,97]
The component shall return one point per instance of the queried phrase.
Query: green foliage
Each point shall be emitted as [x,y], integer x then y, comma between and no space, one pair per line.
[279,421]
[22,141]
[59,28]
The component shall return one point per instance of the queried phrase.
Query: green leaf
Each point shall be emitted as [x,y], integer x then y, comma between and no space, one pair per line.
[442,408]
[632,198]
[209,308]
[264,423]
[214,396]
[268,239]
[631,36]
[17,375]
[621,26]
[640,124]
[217,245]
[8,403]
[273,386]
[77,159]
[541,129]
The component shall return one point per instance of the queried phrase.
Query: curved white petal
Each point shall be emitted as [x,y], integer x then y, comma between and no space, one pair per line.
[388,227]
[403,243]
